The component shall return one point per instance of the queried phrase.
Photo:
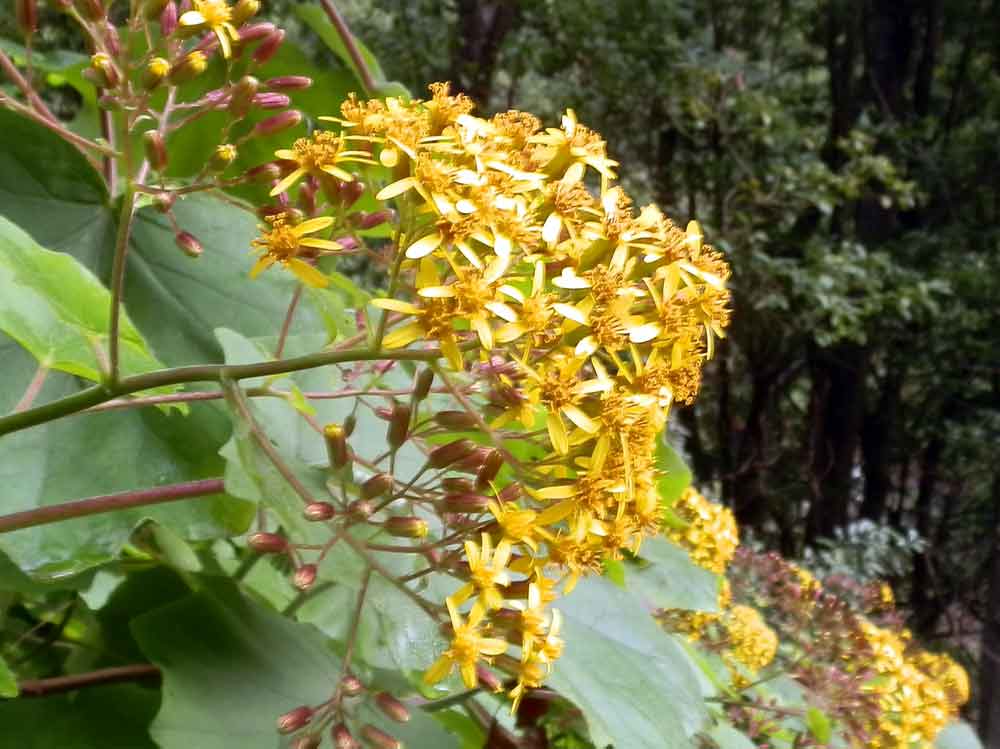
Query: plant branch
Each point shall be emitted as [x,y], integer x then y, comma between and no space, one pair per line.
[55,685]
[118,277]
[15,77]
[367,79]
[109,165]
[79,508]
[33,389]
[77,140]
[98,394]
[287,324]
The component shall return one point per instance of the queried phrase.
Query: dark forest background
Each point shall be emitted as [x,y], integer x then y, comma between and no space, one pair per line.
[845,156]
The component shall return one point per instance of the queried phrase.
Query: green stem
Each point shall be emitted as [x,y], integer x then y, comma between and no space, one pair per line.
[118,277]
[365,73]
[103,393]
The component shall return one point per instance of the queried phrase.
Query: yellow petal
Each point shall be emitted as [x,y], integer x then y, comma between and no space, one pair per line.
[287,182]
[192,18]
[571,312]
[441,668]
[337,172]
[404,336]
[224,45]
[320,244]
[493,646]
[557,512]
[312,225]
[424,246]
[308,274]
[436,292]
[578,417]
[397,305]
[396,188]
[552,228]
[557,433]
[261,265]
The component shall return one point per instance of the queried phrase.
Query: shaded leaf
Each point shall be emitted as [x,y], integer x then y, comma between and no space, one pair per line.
[667,578]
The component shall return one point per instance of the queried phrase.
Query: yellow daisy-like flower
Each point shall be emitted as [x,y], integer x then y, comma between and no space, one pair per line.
[285,244]
[319,155]
[711,536]
[487,570]
[468,647]
[215,15]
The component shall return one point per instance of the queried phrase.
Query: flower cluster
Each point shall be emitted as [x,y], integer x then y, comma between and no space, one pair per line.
[710,535]
[751,643]
[581,319]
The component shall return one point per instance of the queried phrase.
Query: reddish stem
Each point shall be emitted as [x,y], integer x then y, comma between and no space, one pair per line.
[32,391]
[57,684]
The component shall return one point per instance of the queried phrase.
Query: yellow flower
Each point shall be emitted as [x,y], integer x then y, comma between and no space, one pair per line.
[569,150]
[285,244]
[752,643]
[468,646]
[320,155]
[216,16]
[711,536]
[488,570]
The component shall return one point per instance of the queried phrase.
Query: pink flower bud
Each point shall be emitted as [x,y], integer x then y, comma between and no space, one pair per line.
[269,47]
[488,679]
[111,39]
[243,94]
[168,19]
[295,719]
[379,738]
[376,218]
[255,31]
[319,511]
[342,738]
[350,192]
[188,244]
[208,43]
[279,122]
[467,503]
[446,455]
[268,543]
[271,100]
[263,173]
[351,685]
[288,83]
[304,577]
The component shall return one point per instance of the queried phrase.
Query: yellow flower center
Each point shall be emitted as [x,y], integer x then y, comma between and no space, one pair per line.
[216,12]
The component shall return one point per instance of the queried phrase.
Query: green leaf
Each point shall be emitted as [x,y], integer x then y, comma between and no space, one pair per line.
[315,18]
[728,737]
[8,680]
[635,685]
[675,476]
[958,735]
[667,578]
[58,310]
[110,717]
[818,724]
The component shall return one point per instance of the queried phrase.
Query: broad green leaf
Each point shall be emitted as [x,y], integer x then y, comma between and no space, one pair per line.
[958,735]
[635,685]
[728,737]
[675,476]
[109,717]
[8,680]
[819,724]
[59,311]
[666,578]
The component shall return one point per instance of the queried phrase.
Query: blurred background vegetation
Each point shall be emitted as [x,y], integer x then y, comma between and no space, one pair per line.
[844,155]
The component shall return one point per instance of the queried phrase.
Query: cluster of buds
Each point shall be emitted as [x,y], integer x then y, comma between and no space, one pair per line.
[565,324]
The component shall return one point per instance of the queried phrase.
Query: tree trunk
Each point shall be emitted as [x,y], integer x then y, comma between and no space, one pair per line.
[876,443]
[923,600]
[482,26]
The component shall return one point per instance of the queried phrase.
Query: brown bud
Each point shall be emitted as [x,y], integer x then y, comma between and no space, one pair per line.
[263,173]
[379,738]
[222,157]
[111,39]
[349,423]
[423,383]
[188,68]
[156,150]
[168,19]
[278,123]
[318,511]
[27,16]
[153,9]
[268,543]
[393,708]
[360,508]
[456,485]
[91,9]
[455,420]
[406,527]
[490,469]
[188,244]
[465,503]
[510,493]
[336,445]
[102,71]
[295,719]
[269,47]
[350,192]
[399,425]
[153,74]
[351,685]
[446,455]
[242,96]
[517,590]
[473,461]
[288,83]
[243,11]
[342,738]
[376,486]
[304,577]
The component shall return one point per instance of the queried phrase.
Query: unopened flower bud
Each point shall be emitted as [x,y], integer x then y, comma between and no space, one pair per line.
[27,16]
[457,485]
[383,412]
[222,157]
[510,493]
[360,509]
[379,738]
[422,385]
[349,423]
[188,244]
[93,10]
[304,577]
[490,469]
[350,192]
[109,103]
[263,173]
[370,220]
[307,742]
[269,47]
[446,455]
[406,527]
[376,486]
[351,685]
[295,719]
[319,511]
[152,9]
[336,444]
[190,67]
[256,31]
[207,44]
[164,201]
[153,74]
[268,543]
[103,71]
[342,738]
[465,504]
[517,590]
[271,100]
[488,679]
[288,83]
[111,39]
[278,123]
[168,19]
[243,11]
[155,149]
[242,97]
[393,708]
[473,461]
[455,420]
[399,425]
